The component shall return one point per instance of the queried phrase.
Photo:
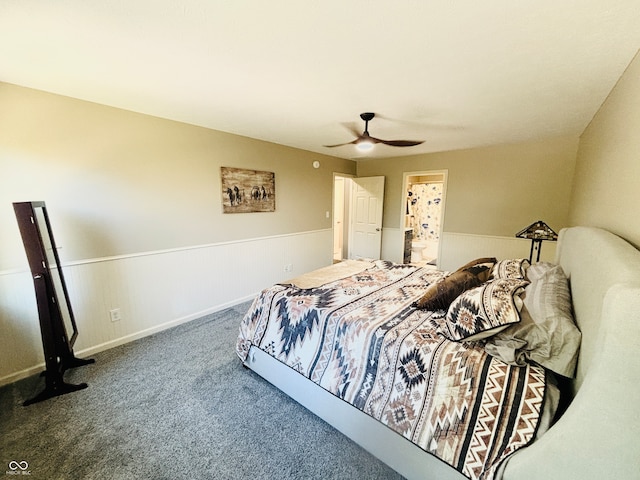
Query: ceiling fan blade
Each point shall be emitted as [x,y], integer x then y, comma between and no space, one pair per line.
[342,144]
[399,143]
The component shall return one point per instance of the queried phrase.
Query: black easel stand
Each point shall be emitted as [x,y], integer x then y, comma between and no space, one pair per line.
[57,323]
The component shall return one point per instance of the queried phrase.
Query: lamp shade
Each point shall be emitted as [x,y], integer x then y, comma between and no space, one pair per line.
[538,231]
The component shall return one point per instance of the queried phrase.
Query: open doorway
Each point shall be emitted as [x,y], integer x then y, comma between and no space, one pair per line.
[423,210]
[341,207]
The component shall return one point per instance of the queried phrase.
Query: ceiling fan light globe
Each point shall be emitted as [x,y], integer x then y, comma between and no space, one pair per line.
[364,146]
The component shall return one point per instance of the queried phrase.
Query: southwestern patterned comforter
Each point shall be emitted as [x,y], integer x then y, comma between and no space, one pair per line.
[361,339]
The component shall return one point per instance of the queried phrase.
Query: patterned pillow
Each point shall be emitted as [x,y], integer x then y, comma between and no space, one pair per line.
[511,268]
[485,310]
[547,333]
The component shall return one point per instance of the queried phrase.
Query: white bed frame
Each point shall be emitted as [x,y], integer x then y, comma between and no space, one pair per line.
[598,437]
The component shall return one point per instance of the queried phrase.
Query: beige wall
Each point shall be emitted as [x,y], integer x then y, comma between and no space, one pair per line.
[493,191]
[607,181]
[117,182]
[135,204]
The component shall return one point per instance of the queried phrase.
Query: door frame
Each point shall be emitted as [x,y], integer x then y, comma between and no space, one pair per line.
[403,205]
[346,203]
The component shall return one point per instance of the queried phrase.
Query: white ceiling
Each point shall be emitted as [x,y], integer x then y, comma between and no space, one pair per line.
[457,74]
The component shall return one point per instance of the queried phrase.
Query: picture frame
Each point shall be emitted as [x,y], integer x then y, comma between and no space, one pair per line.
[247,191]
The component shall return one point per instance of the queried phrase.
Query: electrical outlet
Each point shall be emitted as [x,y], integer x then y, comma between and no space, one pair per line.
[115,315]
[288,267]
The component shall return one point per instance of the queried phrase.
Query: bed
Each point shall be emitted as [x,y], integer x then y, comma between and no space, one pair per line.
[342,341]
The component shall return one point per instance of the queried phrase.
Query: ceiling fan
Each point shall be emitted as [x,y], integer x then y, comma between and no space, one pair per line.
[365,141]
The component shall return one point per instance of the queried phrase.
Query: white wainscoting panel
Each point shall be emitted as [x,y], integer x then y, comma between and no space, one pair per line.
[456,249]
[459,248]
[153,290]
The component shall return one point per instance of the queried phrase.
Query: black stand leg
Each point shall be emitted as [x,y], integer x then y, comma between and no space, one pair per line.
[54,388]
[533,242]
[55,384]
[74,362]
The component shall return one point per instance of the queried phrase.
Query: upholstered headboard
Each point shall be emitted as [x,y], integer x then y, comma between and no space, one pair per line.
[598,437]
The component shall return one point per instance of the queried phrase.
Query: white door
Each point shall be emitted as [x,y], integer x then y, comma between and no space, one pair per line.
[366,217]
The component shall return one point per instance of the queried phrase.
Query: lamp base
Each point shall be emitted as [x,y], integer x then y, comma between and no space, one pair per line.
[536,244]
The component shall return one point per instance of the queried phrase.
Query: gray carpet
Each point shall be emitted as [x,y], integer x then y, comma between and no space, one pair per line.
[175,405]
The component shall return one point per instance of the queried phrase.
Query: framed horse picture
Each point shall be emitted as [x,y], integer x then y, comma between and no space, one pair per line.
[245,191]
